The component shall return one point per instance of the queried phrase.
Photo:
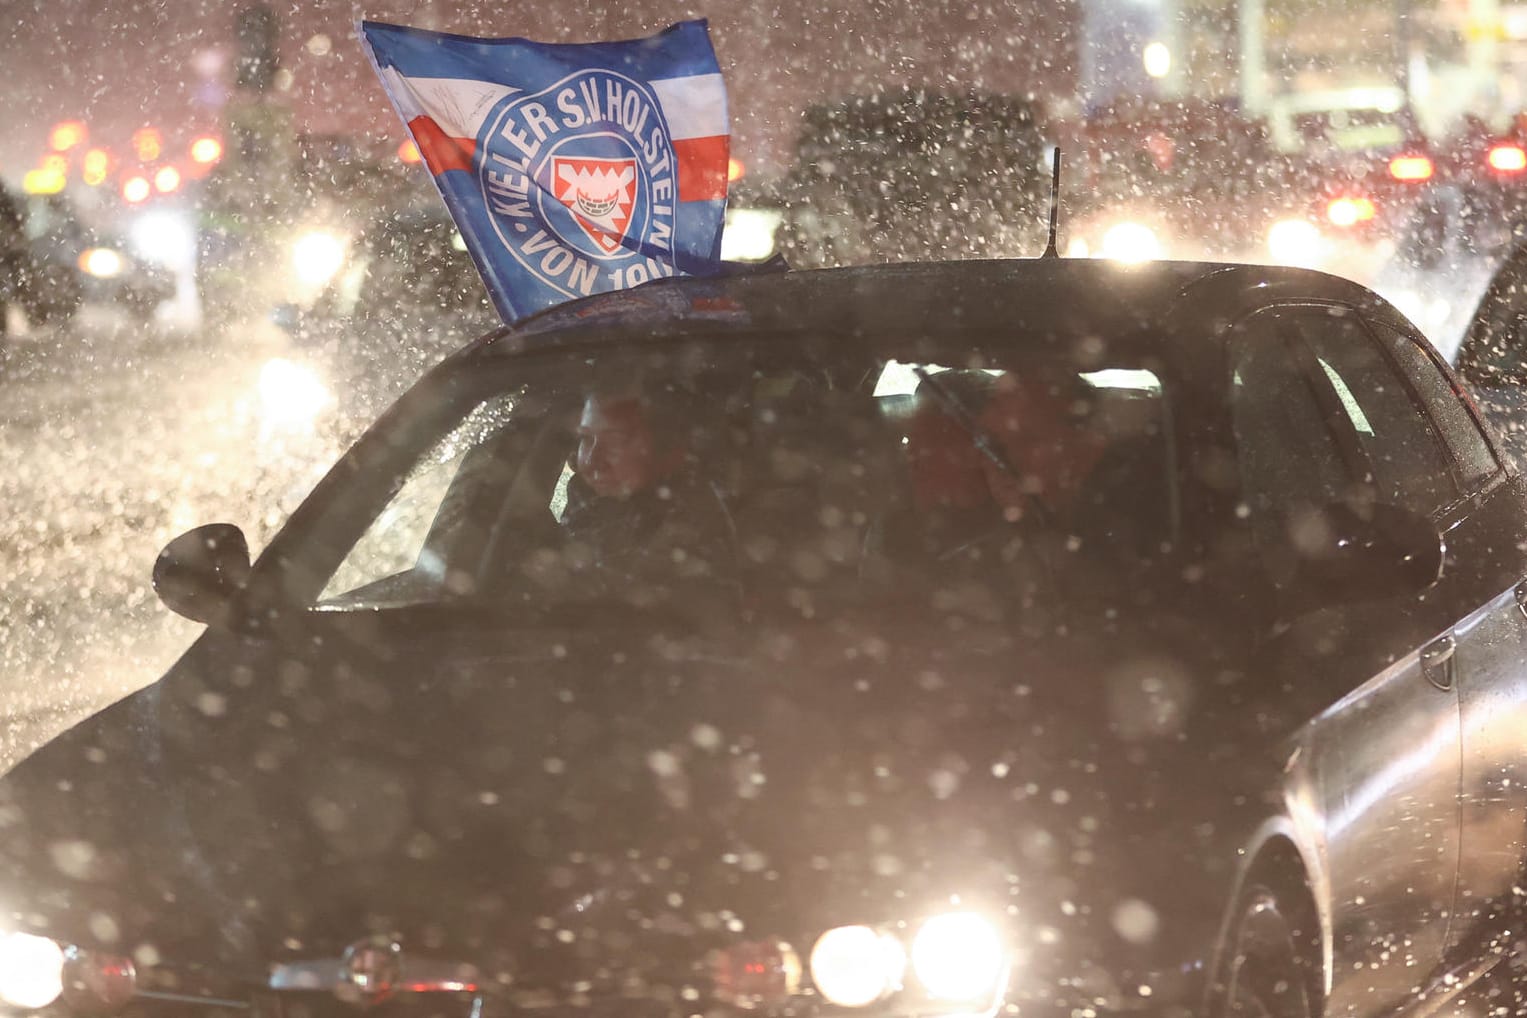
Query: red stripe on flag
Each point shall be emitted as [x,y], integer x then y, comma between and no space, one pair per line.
[441,152]
[702,167]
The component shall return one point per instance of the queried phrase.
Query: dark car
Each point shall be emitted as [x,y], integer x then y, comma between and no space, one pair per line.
[1491,355]
[67,262]
[12,252]
[912,640]
[1478,210]
[1365,172]
[1181,179]
[910,173]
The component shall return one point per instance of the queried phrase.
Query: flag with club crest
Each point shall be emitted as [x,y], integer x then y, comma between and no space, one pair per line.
[570,169]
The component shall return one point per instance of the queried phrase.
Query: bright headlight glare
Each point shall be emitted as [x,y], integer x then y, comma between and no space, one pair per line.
[749,234]
[291,395]
[854,966]
[101,262]
[31,970]
[1131,242]
[164,237]
[1294,242]
[317,256]
[959,956]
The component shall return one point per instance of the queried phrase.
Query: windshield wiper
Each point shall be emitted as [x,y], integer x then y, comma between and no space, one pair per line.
[980,436]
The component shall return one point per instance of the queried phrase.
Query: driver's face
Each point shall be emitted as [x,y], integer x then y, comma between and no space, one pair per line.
[615,447]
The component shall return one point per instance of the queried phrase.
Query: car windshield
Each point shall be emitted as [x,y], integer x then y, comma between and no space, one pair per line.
[813,470]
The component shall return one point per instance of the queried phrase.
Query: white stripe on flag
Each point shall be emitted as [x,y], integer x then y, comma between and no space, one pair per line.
[458,105]
[695,105]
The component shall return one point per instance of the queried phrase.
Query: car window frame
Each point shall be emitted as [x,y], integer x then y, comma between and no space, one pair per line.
[1485,485]
[1452,511]
[279,582]
[1418,402]
[1306,364]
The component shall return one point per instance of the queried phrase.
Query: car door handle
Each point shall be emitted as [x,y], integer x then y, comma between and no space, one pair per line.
[1437,662]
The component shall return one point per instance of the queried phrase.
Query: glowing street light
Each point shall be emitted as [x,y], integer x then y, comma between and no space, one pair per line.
[166,180]
[1157,59]
[136,189]
[409,152]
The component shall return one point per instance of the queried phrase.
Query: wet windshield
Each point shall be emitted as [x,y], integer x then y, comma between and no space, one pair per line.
[823,470]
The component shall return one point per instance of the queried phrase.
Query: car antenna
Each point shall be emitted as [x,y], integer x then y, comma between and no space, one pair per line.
[1051,251]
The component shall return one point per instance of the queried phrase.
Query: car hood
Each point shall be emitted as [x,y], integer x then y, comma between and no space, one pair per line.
[593,809]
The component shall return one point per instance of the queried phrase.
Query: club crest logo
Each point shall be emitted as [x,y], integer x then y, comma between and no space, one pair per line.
[600,193]
[580,183]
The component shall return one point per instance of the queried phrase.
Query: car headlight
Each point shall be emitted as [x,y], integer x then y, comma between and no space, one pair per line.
[163,237]
[749,234]
[101,262]
[31,970]
[291,395]
[1131,242]
[1294,242]
[854,966]
[960,956]
[317,256]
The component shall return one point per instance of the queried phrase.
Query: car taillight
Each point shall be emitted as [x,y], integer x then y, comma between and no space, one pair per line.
[758,973]
[1507,158]
[1350,211]
[1413,169]
[97,985]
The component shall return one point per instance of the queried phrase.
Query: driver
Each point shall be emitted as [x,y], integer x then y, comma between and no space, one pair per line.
[639,512]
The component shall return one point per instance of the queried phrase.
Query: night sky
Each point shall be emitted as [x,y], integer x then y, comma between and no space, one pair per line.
[120,64]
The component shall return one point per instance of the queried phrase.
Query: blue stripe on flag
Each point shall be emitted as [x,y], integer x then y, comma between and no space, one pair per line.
[678,51]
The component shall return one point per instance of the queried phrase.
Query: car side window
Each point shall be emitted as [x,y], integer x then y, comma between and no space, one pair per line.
[1458,425]
[1287,455]
[1322,415]
[1406,461]
[406,545]
[394,543]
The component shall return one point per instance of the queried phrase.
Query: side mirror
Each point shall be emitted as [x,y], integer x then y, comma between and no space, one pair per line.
[201,572]
[1346,554]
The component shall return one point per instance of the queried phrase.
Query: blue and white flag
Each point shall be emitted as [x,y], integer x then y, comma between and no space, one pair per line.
[570,169]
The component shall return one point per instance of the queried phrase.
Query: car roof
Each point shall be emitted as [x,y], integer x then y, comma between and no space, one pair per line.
[1049,295]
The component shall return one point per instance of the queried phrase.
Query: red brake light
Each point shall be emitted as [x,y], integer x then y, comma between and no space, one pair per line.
[1411,168]
[1350,211]
[756,973]
[1507,158]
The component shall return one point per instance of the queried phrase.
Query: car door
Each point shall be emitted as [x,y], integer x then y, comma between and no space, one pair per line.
[1489,563]
[1321,416]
